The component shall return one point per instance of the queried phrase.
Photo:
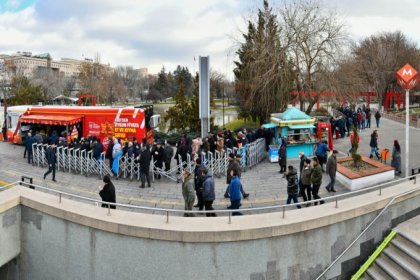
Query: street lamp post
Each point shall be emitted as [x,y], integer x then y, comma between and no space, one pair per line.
[223,109]
[407,130]
[407,78]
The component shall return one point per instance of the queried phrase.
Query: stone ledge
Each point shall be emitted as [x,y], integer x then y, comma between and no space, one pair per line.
[202,229]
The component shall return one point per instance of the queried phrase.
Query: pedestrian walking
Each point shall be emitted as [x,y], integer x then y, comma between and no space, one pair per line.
[292,185]
[28,146]
[396,157]
[235,187]
[301,166]
[321,153]
[234,163]
[306,189]
[208,191]
[331,169]
[374,145]
[282,157]
[198,183]
[51,159]
[144,160]
[188,192]
[377,118]
[368,117]
[316,179]
[107,193]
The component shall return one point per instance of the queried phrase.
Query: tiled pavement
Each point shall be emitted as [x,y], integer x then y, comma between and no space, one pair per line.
[265,185]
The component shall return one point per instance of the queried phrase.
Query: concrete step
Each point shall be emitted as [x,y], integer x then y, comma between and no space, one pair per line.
[376,273]
[407,246]
[392,269]
[404,260]
[366,277]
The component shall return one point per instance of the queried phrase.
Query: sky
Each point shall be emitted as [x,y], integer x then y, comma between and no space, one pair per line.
[156,33]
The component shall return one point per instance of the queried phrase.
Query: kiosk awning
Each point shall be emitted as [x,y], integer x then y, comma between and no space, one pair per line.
[270,125]
[51,119]
[302,126]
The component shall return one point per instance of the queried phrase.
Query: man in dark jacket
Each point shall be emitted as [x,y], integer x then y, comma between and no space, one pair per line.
[292,185]
[377,118]
[198,183]
[282,157]
[234,165]
[208,191]
[169,153]
[305,176]
[51,161]
[145,157]
[107,192]
[97,149]
[316,179]
[28,146]
[158,156]
[331,171]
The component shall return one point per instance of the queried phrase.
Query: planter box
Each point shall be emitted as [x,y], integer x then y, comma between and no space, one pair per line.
[352,180]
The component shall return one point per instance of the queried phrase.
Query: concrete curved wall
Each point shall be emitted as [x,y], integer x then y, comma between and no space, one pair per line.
[75,240]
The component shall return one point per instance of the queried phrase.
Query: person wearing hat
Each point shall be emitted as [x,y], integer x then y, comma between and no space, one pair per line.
[331,170]
[234,165]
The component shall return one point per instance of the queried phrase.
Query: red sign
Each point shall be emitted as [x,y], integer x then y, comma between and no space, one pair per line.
[407,77]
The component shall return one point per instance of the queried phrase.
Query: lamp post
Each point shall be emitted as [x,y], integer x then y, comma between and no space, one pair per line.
[407,78]
[223,109]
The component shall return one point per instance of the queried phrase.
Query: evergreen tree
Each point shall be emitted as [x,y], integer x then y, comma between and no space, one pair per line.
[23,92]
[262,72]
[178,114]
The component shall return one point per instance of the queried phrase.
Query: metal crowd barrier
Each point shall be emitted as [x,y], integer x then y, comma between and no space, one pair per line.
[82,162]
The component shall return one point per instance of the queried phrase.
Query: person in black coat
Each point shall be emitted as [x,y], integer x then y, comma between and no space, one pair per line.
[109,151]
[145,157]
[28,146]
[107,193]
[51,161]
[158,154]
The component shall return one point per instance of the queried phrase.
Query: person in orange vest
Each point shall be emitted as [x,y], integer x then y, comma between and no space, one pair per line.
[351,142]
[74,133]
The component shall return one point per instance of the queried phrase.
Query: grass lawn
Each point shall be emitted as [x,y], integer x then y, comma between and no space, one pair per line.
[240,123]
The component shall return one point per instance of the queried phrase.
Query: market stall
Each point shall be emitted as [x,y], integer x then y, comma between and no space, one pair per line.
[297,129]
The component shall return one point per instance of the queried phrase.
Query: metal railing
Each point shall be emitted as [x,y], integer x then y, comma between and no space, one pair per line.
[368,227]
[229,212]
[80,161]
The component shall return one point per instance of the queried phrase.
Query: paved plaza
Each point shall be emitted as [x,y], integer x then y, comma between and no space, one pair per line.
[265,185]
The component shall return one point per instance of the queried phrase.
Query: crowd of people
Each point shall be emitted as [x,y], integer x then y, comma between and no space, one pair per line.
[199,186]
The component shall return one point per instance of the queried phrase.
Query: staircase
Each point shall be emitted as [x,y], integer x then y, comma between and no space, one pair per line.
[399,257]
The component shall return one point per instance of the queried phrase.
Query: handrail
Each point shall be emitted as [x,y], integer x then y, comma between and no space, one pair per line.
[8,185]
[228,211]
[366,229]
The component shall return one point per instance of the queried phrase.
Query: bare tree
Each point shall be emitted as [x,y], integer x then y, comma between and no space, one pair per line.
[378,57]
[314,38]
